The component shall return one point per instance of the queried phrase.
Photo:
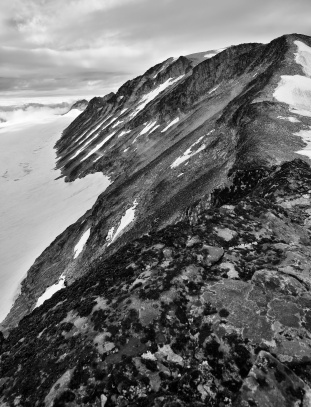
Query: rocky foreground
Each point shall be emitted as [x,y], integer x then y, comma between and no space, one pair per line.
[214,310]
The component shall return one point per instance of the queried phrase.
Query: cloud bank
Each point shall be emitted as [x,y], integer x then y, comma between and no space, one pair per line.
[31,112]
[90,47]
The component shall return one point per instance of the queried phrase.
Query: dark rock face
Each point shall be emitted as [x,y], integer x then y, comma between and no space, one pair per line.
[213,310]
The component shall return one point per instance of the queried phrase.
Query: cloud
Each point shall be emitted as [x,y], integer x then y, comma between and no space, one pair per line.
[54,45]
[31,113]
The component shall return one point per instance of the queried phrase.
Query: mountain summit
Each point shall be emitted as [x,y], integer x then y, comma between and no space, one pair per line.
[187,283]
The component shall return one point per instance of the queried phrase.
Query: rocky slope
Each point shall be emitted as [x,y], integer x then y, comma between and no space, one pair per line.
[211,311]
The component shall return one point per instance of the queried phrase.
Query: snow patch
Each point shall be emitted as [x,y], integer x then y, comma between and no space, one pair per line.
[98,146]
[95,134]
[211,54]
[154,93]
[154,128]
[98,158]
[117,124]
[110,234]
[101,129]
[81,243]
[91,131]
[126,219]
[215,88]
[50,291]
[170,124]
[306,137]
[188,153]
[123,132]
[148,128]
[303,57]
[289,118]
[295,90]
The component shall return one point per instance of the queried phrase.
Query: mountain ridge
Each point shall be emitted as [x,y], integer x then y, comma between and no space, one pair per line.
[223,118]
[207,200]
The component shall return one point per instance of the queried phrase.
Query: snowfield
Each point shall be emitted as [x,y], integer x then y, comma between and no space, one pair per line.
[303,57]
[35,207]
[295,91]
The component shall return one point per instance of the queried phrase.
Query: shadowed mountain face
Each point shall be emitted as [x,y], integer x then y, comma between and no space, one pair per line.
[188,280]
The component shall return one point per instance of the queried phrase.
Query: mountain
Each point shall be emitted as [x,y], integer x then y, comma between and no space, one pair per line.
[80,105]
[187,283]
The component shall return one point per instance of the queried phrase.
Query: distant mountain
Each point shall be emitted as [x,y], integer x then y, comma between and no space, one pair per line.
[80,105]
[188,282]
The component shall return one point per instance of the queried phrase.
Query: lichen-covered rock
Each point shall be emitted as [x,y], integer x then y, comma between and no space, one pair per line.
[156,324]
[271,384]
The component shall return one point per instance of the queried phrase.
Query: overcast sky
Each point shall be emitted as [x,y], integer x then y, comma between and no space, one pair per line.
[90,47]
